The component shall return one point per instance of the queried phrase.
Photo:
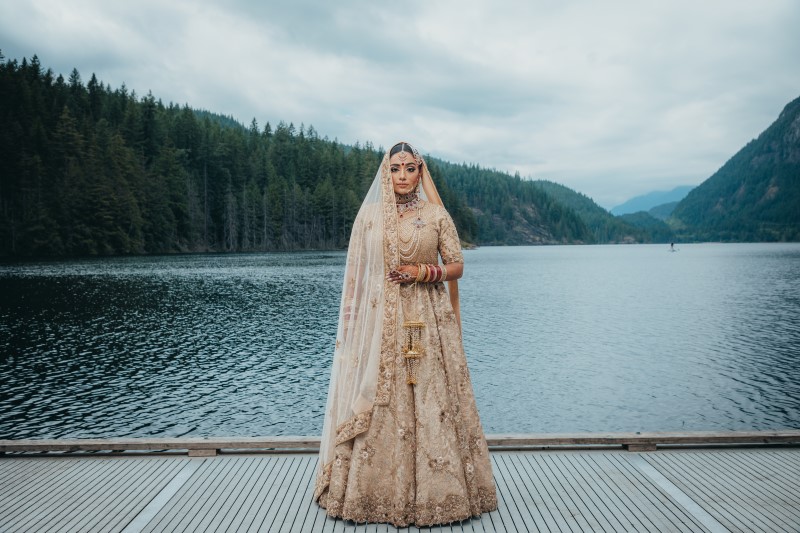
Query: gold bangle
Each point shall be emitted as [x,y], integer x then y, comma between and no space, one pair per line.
[419,273]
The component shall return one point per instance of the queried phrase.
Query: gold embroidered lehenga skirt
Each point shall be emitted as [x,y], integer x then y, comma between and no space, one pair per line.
[424,458]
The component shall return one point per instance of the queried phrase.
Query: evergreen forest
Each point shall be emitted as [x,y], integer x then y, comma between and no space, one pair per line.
[87,169]
[91,170]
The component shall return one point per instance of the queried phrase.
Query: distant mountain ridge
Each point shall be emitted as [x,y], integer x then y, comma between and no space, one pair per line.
[605,228]
[755,195]
[646,202]
[663,211]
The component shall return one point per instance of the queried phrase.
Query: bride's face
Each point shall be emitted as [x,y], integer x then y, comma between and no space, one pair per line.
[405,172]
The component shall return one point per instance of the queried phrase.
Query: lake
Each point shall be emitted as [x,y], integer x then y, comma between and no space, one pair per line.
[558,339]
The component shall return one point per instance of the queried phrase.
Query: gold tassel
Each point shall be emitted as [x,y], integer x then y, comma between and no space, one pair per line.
[412,349]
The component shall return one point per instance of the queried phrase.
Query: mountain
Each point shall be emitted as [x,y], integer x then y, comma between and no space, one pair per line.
[645,202]
[755,196]
[510,210]
[658,230]
[663,211]
[605,228]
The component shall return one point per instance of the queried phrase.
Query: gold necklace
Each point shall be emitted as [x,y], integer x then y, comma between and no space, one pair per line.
[408,248]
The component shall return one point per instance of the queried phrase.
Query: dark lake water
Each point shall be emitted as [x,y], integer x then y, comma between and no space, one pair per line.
[563,338]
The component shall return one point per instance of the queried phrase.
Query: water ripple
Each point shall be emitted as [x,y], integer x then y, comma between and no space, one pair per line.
[611,338]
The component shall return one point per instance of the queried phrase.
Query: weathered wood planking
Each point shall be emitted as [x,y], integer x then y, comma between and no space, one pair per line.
[743,490]
[209,446]
[752,489]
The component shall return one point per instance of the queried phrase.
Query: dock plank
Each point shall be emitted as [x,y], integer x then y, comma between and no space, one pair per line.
[113,492]
[265,470]
[531,502]
[741,498]
[512,441]
[288,485]
[661,503]
[207,510]
[746,491]
[602,509]
[607,509]
[202,502]
[777,469]
[538,490]
[235,498]
[511,504]
[700,489]
[78,497]
[55,503]
[621,493]
[31,488]
[550,500]
[703,490]
[290,507]
[134,495]
[30,477]
[272,497]
[309,513]
[177,503]
[758,475]
[607,489]
[564,505]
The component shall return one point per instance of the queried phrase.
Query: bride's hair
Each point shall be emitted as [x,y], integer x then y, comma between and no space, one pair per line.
[401,147]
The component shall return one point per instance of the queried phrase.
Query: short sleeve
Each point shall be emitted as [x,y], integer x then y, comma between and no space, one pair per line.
[449,243]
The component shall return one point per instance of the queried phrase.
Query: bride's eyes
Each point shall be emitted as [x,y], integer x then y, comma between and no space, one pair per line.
[410,169]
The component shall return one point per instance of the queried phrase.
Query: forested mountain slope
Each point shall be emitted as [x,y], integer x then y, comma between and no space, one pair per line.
[604,227]
[510,210]
[755,196]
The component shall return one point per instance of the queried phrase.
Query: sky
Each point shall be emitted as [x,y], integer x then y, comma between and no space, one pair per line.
[613,99]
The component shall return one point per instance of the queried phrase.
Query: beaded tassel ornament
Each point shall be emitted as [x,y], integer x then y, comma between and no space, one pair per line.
[412,348]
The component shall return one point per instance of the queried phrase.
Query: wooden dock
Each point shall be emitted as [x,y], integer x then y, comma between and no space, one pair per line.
[723,488]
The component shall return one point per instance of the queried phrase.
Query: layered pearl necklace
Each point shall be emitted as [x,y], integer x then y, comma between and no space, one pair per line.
[408,248]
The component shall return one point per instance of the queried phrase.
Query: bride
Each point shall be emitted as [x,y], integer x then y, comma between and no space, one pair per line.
[402,442]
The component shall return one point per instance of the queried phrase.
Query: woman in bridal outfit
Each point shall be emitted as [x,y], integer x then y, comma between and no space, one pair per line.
[402,442]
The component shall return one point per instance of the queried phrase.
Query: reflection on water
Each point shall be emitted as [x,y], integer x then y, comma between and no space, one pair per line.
[574,338]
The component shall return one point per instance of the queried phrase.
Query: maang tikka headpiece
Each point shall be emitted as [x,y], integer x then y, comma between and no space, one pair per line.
[414,152]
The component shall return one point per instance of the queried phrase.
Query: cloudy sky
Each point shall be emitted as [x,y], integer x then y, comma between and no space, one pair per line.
[613,99]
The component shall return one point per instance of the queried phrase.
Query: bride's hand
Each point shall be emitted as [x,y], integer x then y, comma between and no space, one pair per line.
[403,274]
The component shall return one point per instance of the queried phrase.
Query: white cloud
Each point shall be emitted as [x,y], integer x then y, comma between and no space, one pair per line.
[613,99]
